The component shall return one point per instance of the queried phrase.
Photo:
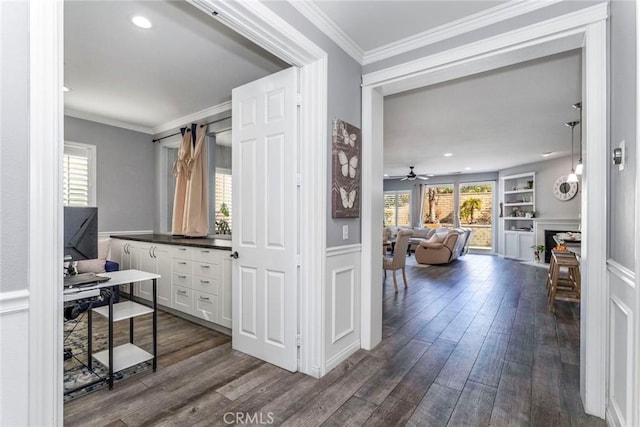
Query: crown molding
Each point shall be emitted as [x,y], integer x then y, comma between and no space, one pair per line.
[467,24]
[329,27]
[559,27]
[194,117]
[105,121]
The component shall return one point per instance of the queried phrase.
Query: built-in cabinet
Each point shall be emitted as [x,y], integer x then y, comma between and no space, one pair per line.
[194,280]
[518,200]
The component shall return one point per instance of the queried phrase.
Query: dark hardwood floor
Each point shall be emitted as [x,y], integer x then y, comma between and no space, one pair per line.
[469,343]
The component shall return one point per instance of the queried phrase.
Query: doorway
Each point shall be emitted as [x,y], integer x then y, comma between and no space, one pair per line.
[465,61]
[256,22]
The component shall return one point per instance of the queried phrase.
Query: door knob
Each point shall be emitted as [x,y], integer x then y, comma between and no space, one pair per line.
[235,255]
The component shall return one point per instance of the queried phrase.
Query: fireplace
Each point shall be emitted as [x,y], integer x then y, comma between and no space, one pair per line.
[549,243]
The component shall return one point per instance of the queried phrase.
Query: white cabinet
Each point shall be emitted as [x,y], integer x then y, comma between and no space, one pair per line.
[194,280]
[224,292]
[154,258]
[518,245]
[201,283]
[518,202]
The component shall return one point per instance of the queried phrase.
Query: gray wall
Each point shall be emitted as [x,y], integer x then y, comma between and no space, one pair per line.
[125,173]
[344,102]
[14,145]
[622,227]
[547,206]
[473,36]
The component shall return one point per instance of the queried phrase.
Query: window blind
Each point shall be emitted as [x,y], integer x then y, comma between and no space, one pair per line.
[76,177]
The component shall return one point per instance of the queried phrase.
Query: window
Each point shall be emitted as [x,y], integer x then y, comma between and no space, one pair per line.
[79,177]
[397,208]
[438,206]
[223,216]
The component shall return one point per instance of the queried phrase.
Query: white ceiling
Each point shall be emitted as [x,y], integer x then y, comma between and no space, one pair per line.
[490,121]
[372,24]
[186,63]
[189,62]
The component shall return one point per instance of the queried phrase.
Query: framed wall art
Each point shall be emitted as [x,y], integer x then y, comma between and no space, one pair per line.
[345,180]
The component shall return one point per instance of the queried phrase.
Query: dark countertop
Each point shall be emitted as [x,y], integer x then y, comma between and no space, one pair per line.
[165,239]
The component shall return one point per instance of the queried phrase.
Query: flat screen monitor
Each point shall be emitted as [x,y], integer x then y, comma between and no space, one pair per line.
[80,233]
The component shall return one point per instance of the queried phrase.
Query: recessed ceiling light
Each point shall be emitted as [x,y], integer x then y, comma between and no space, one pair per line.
[467,168]
[431,174]
[547,154]
[65,89]
[142,22]
[386,174]
[448,154]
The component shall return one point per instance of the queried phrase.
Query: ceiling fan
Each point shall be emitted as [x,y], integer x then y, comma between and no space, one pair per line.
[411,176]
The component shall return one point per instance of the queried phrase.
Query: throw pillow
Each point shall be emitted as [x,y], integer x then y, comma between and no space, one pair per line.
[95,265]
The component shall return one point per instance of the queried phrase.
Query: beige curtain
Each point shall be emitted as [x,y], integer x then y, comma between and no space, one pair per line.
[180,168]
[191,205]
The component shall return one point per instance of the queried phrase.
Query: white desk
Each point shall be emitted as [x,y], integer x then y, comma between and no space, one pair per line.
[126,355]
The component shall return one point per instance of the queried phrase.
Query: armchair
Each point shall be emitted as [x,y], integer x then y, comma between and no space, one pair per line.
[440,249]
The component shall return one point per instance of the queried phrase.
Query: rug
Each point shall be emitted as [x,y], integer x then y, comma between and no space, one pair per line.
[77,375]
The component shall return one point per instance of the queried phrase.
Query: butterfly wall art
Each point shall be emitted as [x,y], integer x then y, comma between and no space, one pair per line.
[346,170]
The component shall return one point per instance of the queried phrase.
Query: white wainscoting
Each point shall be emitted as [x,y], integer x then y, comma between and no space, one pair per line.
[14,365]
[623,358]
[342,305]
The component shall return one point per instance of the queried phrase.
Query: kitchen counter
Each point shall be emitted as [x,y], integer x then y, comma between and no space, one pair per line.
[165,239]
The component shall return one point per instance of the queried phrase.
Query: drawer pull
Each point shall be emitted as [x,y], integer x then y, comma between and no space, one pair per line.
[182,292]
[182,276]
[205,266]
[204,281]
[204,298]
[182,249]
[205,252]
[182,263]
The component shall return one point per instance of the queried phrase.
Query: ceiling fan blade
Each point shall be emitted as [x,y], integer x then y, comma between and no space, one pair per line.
[424,178]
[404,179]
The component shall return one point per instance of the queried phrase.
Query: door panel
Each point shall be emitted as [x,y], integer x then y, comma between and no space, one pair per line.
[264,292]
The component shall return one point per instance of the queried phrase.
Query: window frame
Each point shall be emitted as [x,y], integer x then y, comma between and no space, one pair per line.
[92,198]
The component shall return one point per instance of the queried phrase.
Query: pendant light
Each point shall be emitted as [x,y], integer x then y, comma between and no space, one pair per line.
[578,106]
[572,176]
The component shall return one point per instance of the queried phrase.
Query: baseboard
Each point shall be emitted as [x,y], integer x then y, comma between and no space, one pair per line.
[341,356]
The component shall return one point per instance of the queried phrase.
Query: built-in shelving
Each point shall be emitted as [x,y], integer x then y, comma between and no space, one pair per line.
[519,207]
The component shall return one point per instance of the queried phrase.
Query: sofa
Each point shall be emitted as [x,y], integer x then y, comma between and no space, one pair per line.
[444,246]
[419,234]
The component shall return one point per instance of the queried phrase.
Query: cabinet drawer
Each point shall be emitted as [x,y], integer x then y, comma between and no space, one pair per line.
[205,284]
[205,306]
[181,298]
[205,270]
[181,252]
[182,266]
[205,255]
[182,279]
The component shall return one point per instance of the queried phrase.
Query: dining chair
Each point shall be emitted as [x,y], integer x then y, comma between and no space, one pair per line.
[398,261]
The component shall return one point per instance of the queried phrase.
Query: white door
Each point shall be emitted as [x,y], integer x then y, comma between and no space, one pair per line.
[264,281]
